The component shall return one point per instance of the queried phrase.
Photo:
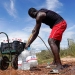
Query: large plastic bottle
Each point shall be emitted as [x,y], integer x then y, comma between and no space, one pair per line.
[32,59]
[25,64]
[19,62]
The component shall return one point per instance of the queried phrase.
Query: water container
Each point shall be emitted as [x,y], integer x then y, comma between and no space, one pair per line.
[32,60]
[19,65]
[19,62]
[25,64]
[25,53]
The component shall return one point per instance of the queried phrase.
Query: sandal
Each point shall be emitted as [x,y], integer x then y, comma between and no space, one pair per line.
[54,71]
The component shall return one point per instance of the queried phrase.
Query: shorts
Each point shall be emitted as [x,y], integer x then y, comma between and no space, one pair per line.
[57,30]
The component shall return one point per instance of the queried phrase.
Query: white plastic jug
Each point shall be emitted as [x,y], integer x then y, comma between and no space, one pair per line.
[32,60]
[20,65]
[19,62]
[25,53]
[25,64]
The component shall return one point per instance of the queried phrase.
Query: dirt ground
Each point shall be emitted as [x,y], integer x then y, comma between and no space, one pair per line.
[41,70]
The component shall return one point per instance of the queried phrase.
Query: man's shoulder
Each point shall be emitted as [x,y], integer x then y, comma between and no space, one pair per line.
[43,9]
[41,14]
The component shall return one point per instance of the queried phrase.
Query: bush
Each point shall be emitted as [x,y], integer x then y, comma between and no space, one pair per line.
[46,56]
[69,51]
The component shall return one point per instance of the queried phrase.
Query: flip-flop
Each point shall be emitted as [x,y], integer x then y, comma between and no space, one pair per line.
[54,71]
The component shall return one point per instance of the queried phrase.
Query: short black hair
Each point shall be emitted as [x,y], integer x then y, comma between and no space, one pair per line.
[31,10]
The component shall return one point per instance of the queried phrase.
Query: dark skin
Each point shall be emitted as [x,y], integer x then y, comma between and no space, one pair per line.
[54,44]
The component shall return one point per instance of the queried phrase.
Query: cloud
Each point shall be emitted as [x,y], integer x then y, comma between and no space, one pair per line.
[15,35]
[69,33]
[53,4]
[10,8]
[25,33]
[71,28]
[44,34]
[44,31]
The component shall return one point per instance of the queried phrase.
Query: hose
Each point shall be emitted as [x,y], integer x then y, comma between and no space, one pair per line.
[44,44]
[40,38]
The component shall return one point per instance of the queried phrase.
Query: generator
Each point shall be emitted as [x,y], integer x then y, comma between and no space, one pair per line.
[9,53]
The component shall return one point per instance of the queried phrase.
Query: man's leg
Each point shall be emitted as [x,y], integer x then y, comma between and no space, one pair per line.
[55,47]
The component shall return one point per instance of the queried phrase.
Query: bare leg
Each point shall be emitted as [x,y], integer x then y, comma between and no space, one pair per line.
[55,47]
[58,45]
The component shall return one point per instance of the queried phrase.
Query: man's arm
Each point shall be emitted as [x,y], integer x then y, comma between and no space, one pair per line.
[36,29]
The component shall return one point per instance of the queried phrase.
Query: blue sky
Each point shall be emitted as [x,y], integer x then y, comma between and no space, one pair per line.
[15,21]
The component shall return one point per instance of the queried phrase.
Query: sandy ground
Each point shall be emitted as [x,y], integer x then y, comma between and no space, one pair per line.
[41,70]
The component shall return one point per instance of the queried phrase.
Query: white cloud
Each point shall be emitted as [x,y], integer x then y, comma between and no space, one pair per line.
[53,4]
[44,34]
[24,35]
[71,28]
[10,7]
[69,33]
[15,35]
[44,31]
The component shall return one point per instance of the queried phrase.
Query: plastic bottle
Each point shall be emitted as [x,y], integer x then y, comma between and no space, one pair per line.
[32,59]
[25,64]
[19,62]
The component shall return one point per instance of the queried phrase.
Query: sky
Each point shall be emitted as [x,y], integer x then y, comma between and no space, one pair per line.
[15,21]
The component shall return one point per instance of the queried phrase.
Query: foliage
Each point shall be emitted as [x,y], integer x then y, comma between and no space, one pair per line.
[46,56]
[70,51]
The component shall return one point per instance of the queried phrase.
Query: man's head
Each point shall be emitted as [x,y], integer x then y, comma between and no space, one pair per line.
[32,12]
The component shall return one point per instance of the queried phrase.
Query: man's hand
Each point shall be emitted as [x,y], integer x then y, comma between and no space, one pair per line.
[26,46]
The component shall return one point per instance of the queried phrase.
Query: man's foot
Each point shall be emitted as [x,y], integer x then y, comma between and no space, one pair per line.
[56,70]
[59,67]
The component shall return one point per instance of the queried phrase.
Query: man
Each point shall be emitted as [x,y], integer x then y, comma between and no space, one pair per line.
[58,26]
